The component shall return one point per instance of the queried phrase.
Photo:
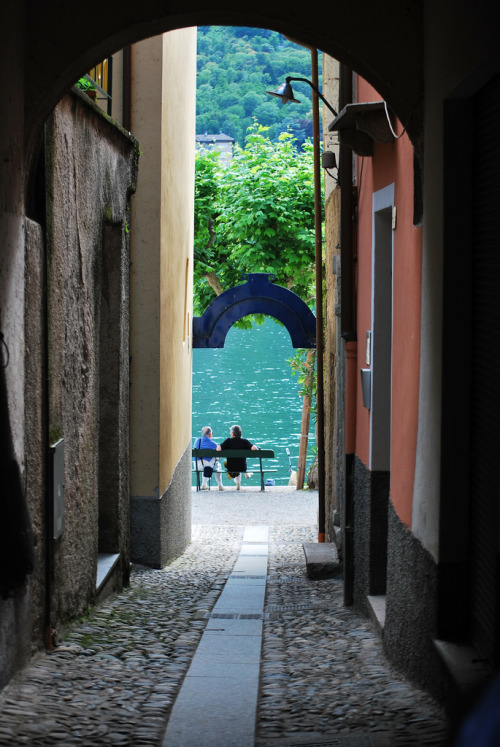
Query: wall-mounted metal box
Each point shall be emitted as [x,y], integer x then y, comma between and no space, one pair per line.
[57,452]
[366,387]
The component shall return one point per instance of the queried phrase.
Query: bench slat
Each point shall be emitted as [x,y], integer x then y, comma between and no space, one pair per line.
[224,471]
[238,453]
[257,454]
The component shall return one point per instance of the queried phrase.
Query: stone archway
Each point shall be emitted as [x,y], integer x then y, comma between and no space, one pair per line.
[364,36]
[259,295]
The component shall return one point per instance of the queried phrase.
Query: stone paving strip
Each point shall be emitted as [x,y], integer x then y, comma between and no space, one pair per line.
[218,698]
[324,680]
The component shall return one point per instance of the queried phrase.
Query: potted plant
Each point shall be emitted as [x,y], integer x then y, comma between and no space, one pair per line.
[87,86]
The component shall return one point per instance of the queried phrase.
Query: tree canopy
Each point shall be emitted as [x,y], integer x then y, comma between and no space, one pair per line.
[255,215]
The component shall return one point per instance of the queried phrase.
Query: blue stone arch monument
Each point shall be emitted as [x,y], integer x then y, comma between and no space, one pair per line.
[258,295]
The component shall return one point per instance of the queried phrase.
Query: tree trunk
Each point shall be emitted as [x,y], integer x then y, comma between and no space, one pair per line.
[304,428]
[214,282]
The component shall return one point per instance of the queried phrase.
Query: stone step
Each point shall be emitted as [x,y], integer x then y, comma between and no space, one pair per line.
[322,560]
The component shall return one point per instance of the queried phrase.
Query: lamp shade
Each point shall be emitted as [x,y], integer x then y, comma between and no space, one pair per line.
[285,93]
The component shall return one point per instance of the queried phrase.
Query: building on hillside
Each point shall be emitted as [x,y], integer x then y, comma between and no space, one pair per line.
[220,143]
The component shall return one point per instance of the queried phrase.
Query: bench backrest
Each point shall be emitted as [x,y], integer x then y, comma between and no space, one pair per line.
[238,453]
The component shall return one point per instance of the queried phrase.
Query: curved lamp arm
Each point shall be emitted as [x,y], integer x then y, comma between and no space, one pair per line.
[285,92]
[306,80]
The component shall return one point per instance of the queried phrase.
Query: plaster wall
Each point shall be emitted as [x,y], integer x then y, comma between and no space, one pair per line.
[35,426]
[14,611]
[332,363]
[91,170]
[163,116]
[332,269]
[177,193]
[461,53]
[117,101]
[392,164]
[146,209]
[162,235]
[331,94]
[11,219]
[333,392]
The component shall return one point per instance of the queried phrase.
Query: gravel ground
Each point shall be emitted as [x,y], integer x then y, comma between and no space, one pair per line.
[324,679]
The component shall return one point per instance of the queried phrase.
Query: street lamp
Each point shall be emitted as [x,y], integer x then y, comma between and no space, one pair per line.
[285,93]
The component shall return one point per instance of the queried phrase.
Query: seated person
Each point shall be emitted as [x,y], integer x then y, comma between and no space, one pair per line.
[236,465]
[209,466]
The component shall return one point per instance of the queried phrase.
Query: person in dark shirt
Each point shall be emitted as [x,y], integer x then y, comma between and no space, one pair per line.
[236,465]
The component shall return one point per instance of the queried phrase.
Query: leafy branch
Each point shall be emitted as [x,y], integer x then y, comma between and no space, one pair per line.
[302,365]
[255,215]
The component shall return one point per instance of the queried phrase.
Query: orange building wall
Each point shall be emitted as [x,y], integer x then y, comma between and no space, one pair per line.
[392,164]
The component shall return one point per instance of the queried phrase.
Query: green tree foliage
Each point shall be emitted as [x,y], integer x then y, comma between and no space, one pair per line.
[302,365]
[206,200]
[255,215]
[235,68]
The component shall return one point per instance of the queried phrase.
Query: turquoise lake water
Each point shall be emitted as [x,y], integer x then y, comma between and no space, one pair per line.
[249,382]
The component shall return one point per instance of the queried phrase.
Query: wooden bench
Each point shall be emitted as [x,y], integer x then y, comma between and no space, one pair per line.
[259,454]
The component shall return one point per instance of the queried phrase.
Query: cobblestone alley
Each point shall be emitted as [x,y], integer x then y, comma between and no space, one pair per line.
[115,676]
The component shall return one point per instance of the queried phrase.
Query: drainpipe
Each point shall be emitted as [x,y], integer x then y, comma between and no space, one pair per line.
[320,400]
[348,334]
[347,319]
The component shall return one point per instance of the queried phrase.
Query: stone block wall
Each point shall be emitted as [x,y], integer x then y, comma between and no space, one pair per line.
[91,171]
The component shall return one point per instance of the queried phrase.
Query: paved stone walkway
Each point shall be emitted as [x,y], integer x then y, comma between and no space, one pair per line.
[324,680]
[222,682]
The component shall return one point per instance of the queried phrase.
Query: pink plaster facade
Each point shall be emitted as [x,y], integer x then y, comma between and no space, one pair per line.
[391,164]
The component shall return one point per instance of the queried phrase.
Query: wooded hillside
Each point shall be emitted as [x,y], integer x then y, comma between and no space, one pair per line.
[235,68]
